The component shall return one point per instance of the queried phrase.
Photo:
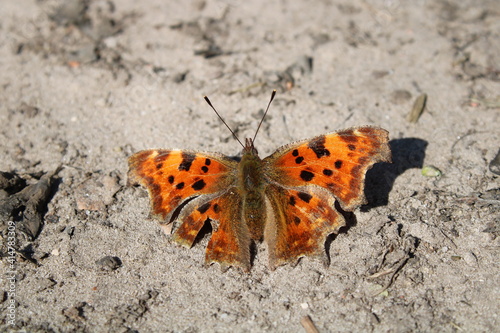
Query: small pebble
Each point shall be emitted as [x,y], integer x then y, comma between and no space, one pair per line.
[109,263]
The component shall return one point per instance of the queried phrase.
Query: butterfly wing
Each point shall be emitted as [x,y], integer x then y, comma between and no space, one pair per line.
[337,162]
[299,222]
[229,244]
[202,184]
[307,177]
[174,176]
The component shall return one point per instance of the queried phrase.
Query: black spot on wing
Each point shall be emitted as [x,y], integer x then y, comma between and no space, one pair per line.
[306,175]
[204,169]
[296,220]
[180,186]
[203,208]
[295,152]
[208,161]
[171,179]
[327,172]
[299,160]
[187,160]
[306,197]
[317,145]
[159,166]
[199,185]
[338,164]
[216,208]
[292,200]
[351,147]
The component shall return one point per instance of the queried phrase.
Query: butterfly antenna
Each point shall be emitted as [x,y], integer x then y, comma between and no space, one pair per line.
[264,116]
[217,113]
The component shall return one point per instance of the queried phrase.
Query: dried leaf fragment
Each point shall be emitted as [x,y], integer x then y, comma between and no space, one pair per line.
[418,108]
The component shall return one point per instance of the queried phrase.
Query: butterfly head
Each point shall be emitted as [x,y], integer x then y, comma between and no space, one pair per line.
[250,148]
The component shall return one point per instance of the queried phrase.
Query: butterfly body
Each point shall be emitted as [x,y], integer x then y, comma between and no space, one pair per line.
[286,199]
[251,184]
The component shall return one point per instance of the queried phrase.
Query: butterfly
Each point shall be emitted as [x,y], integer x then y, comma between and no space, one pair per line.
[286,200]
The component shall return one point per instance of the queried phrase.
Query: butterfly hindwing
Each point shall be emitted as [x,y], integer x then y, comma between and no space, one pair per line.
[299,220]
[229,244]
[337,161]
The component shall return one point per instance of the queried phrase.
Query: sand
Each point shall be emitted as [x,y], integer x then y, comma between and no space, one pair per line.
[84,87]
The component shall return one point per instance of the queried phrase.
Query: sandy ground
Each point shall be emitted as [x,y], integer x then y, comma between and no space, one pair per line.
[84,87]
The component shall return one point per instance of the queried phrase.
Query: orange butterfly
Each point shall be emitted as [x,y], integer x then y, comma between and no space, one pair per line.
[286,199]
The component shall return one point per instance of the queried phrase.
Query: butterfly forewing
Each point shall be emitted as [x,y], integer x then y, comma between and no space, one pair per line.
[174,176]
[337,161]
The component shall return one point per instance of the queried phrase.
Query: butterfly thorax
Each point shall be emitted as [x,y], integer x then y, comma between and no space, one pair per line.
[251,186]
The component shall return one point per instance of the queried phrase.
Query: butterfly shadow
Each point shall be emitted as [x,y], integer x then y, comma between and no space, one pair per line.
[350,221]
[407,153]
